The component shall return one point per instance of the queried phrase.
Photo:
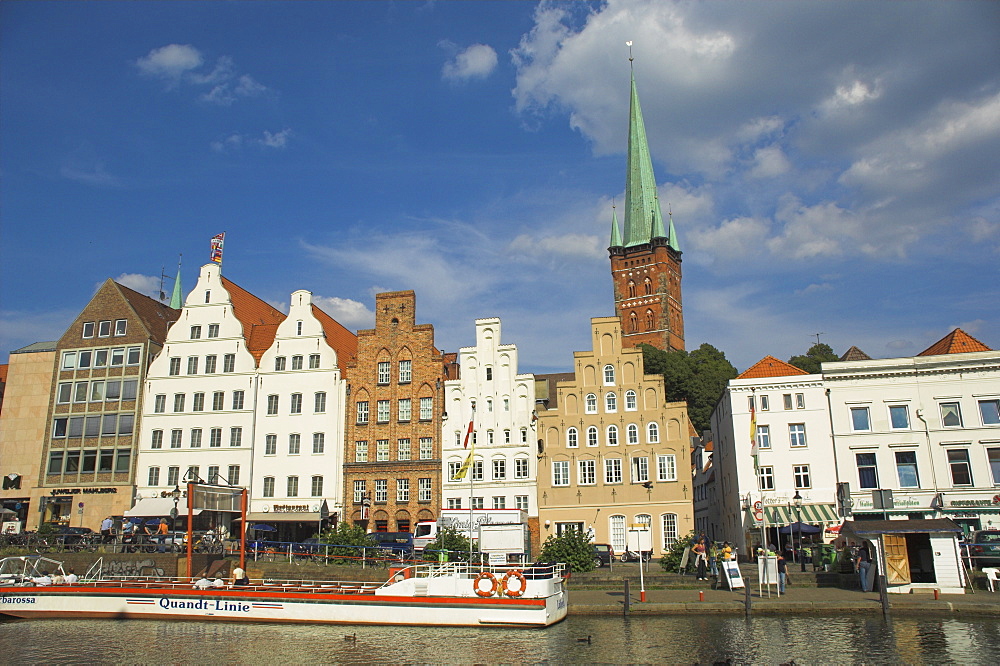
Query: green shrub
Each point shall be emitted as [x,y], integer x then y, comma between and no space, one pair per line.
[571,547]
[450,539]
[672,559]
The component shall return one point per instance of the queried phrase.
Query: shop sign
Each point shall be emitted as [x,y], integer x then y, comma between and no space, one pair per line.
[864,502]
[83,491]
[975,502]
[291,508]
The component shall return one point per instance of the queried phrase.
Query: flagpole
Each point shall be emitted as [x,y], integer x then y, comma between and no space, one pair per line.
[472,472]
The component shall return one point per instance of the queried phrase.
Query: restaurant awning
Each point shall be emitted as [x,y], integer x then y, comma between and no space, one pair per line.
[157,507]
[813,514]
[295,517]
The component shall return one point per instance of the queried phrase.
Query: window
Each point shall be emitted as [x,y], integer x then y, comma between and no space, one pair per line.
[173,475]
[405,372]
[867,470]
[787,400]
[666,467]
[631,288]
[797,434]
[765,478]
[55,462]
[117,357]
[617,525]
[994,458]
[612,435]
[426,448]
[454,502]
[121,327]
[800,401]
[403,449]
[108,424]
[906,469]
[213,472]
[668,522]
[296,404]
[609,375]
[424,490]
[68,360]
[489,373]
[381,450]
[860,419]
[521,468]
[210,362]
[640,469]
[801,475]
[524,435]
[319,442]
[175,439]
[489,404]
[175,365]
[238,399]
[192,368]
[571,438]
[313,361]
[294,444]
[297,362]
[426,409]
[362,412]
[104,329]
[80,392]
[560,473]
[612,470]
[272,405]
[951,415]
[653,433]
[383,372]
[381,491]
[610,402]
[591,403]
[64,392]
[319,402]
[195,438]
[196,332]
[506,436]
[521,502]
[632,434]
[198,402]
[215,438]
[160,404]
[453,468]
[235,436]
[961,471]
[899,417]
[270,445]
[153,478]
[359,491]
[293,486]
[229,365]
[157,440]
[279,363]
[402,490]
[218,398]
[382,411]
[765,404]
[763,437]
[88,332]
[213,330]
[499,469]
[587,472]
[403,409]
[268,486]
[989,411]
[361,451]
[234,475]
[298,331]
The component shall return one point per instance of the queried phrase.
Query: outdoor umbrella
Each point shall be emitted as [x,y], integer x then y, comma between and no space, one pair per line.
[799,528]
[263,528]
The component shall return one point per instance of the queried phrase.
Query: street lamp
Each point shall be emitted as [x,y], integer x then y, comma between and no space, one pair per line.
[798,518]
[176,494]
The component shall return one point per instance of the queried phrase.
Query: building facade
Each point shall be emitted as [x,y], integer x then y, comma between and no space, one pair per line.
[612,452]
[392,465]
[502,475]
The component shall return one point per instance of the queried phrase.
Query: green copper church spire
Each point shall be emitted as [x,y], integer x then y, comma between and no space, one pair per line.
[177,298]
[616,237]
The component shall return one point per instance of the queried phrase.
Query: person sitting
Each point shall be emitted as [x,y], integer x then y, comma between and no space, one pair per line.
[71,577]
[42,580]
[58,579]
[218,582]
[202,583]
[240,576]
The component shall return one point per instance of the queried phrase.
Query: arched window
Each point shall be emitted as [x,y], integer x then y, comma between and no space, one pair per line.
[631,288]
[571,438]
[610,402]
[630,401]
[633,434]
[648,286]
[668,523]
[617,525]
[612,435]
[653,433]
[633,322]
[649,320]
[591,403]
[609,375]
[592,436]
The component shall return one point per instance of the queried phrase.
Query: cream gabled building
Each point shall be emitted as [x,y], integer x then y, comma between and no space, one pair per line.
[612,452]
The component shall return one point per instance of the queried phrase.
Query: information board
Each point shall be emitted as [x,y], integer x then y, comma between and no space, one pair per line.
[731,573]
[767,570]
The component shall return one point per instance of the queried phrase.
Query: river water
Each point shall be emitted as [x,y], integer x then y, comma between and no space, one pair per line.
[684,639]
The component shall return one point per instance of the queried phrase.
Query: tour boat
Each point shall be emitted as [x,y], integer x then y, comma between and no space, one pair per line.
[452,594]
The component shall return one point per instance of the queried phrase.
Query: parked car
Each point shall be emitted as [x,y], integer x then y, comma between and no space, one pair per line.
[69,536]
[395,543]
[983,548]
[603,554]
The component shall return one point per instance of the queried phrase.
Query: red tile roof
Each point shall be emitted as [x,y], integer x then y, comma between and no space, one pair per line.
[956,342]
[260,320]
[770,367]
[342,340]
[155,316]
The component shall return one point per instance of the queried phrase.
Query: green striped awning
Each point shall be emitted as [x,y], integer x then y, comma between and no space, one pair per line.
[812,514]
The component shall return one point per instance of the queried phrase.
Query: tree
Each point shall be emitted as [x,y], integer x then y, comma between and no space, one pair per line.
[671,560]
[348,541]
[698,378]
[572,547]
[813,359]
[451,540]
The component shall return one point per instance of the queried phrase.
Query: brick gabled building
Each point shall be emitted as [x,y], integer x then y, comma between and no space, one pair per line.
[392,466]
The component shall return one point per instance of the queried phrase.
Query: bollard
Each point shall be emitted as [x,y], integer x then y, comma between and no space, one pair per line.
[746,599]
[628,598]
[701,596]
[642,596]
[937,594]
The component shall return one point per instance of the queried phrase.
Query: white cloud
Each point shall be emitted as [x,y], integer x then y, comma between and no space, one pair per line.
[769,162]
[277,140]
[20,328]
[177,64]
[148,285]
[352,314]
[475,62]
[571,245]
[171,61]
[94,174]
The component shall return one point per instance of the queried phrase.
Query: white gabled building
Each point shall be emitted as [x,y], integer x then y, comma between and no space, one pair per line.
[503,474]
[794,454]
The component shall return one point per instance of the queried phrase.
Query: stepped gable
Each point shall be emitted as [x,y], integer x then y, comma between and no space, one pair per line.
[260,320]
[855,354]
[770,367]
[342,340]
[956,342]
[154,315]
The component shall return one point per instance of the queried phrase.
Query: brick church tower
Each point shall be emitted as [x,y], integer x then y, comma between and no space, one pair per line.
[646,260]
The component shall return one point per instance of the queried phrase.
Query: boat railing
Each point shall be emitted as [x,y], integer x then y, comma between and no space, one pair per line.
[466,570]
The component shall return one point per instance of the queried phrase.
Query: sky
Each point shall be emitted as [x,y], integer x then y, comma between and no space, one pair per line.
[832,168]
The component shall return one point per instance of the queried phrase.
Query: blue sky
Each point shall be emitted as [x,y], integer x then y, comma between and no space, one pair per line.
[831,167]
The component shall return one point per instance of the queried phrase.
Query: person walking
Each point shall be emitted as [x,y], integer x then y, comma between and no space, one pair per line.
[161,535]
[713,559]
[782,573]
[701,559]
[863,563]
[107,526]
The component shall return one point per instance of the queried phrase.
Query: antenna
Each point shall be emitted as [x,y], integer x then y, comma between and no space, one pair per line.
[163,274]
[817,336]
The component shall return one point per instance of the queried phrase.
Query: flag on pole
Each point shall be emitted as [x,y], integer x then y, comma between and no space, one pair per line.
[753,429]
[468,433]
[464,469]
[217,242]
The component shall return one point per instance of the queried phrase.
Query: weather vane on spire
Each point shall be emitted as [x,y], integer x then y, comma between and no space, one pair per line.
[629,45]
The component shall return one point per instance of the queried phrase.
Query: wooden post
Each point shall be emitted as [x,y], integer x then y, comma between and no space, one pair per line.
[746,599]
[628,598]
[883,595]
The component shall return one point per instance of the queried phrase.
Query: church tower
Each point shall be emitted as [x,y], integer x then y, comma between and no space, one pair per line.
[646,260]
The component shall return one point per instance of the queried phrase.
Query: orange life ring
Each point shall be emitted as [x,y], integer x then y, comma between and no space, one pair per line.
[514,573]
[485,575]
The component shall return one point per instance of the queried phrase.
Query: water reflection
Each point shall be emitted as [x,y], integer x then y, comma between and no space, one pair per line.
[700,639]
